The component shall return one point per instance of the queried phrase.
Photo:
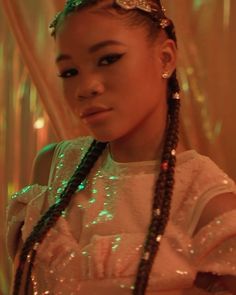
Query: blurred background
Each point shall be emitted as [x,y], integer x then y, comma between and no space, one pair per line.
[33,113]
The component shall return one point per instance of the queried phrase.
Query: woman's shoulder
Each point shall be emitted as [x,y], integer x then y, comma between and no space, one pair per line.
[202,187]
[201,177]
[49,155]
[198,167]
[42,164]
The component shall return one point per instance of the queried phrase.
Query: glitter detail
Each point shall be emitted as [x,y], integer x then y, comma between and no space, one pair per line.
[35,285]
[132,4]
[157,212]
[123,252]
[64,213]
[23,191]
[92,200]
[146,256]
[163,9]
[191,251]
[61,156]
[72,255]
[60,190]
[176,96]
[113,177]
[116,243]
[158,238]
[28,258]
[181,272]
[173,152]
[82,186]
[36,245]
[164,23]
[110,191]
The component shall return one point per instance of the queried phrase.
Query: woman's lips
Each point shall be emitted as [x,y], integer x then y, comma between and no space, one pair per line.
[94,114]
[92,111]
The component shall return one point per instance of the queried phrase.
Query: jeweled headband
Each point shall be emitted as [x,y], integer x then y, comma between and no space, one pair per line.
[144,5]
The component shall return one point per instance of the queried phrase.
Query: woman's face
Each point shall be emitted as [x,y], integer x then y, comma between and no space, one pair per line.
[111,76]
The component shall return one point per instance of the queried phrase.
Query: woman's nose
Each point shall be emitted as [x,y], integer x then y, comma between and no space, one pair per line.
[89,89]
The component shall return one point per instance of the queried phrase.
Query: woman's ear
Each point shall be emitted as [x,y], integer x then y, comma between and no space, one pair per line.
[168,56]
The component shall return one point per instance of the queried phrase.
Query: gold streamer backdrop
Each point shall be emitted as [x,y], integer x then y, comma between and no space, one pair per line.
[33,112]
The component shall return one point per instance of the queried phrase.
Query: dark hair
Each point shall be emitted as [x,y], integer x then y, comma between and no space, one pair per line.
[165,180]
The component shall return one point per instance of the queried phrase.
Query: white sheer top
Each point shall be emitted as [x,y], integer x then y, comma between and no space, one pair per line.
[96,245]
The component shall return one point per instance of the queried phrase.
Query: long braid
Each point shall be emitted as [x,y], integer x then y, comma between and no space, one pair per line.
[164,184]
[49,219]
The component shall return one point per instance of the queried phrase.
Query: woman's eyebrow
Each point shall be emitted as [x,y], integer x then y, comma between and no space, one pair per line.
[62,57]
[103,44]
[92,49]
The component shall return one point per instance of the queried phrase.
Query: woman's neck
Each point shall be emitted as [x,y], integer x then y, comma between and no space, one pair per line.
[136,149]
[139,145]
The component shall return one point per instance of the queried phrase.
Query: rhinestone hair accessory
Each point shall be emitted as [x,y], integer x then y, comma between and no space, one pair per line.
[144,5]
[140,4]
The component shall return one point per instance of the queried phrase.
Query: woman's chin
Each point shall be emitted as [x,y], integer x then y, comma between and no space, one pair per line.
[103,137]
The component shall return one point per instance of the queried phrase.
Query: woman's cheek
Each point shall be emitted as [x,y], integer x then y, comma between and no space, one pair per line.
[69,95]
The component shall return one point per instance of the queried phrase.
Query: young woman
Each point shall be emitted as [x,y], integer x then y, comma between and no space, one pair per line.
[123,211]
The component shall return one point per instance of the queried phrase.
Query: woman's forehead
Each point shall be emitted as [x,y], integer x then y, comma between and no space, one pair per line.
[100,7]
[85,23]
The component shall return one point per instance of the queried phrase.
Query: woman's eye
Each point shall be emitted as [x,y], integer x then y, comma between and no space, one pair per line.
[104,61]
[109,59]
[68,73]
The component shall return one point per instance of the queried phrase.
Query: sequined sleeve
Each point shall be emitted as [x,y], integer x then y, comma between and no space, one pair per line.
[25,206]
[23,211]
[67,156]
[208,181]
[215,246]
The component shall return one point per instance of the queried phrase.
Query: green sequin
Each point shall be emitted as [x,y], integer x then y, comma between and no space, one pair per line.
[106,193]
[61,156]
[82,186]
[92,200]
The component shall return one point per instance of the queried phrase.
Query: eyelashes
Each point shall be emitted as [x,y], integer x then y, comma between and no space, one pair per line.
[68,73]
[112,58]
[109,59]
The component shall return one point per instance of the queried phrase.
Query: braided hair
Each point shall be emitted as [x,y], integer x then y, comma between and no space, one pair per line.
[165,181]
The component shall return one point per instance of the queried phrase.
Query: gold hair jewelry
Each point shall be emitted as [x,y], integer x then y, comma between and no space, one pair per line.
[164,23]
[144,5]
[132,4]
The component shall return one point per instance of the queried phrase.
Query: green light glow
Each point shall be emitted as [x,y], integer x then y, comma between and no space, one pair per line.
[197,4]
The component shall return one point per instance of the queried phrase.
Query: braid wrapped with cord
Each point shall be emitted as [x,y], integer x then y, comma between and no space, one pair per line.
[165,180]
[162,199]
[164,184]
